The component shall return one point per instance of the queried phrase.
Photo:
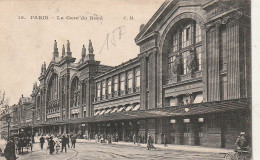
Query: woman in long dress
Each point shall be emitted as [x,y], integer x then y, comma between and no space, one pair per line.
[51,145]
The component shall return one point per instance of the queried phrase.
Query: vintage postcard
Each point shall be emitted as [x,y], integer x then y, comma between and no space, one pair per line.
[114,79]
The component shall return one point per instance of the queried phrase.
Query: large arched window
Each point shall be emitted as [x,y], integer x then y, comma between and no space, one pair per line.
[74,94]
[122,82]
[130,80]
[185,40]
[53,87]
[137,78]
[52,93]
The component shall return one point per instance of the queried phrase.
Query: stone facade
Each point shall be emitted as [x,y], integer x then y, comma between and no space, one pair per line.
[192,53]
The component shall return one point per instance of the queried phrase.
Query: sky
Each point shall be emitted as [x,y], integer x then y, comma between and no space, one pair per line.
[26,42]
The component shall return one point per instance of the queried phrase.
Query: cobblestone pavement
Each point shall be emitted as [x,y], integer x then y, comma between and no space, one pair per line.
[91,151]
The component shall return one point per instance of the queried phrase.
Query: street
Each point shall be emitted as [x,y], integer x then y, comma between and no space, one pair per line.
[90,150]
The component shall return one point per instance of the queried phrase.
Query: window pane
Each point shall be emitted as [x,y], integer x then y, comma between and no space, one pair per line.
[198,33]
[137,78]
[186,35]
[115,84]
[198,52]
[175,42]
[98,90]
[109,87]
[122,83]
[130,80]
[184,64]
[103,88]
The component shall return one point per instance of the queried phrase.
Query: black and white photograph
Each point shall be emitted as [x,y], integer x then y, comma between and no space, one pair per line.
[128,79]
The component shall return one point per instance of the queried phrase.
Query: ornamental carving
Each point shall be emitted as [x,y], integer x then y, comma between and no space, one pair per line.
[176,67]
[192,61]
[235,16]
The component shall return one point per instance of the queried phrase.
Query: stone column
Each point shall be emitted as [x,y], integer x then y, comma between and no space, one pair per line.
[143,82]
[80,99]
[152,77]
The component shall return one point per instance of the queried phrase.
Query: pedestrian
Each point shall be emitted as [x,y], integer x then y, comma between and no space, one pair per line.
[73,141]
[96,138]
[42,140]
[117,138]
[51,145]
[134,138]
[63,143]
[57,146]
[9,151]
[165,140]
[68,141]
[148,141]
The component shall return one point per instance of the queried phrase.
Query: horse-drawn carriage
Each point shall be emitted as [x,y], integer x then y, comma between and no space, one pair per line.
[22,142]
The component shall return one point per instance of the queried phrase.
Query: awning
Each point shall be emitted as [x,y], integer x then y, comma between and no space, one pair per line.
[235,105]
[102,112]
[129,108]
[121,109]
[108,110]
[198,99]
[97,113]
[114,110]
[137,107]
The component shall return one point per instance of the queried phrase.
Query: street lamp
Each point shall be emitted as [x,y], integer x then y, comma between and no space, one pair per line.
[8,120]
[33,109]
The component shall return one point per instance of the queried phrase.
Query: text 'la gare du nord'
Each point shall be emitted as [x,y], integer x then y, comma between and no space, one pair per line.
[93,17]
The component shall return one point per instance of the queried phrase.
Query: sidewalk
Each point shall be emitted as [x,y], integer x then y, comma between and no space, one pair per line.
[170,146]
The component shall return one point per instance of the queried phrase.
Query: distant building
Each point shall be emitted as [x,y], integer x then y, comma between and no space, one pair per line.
[190,81]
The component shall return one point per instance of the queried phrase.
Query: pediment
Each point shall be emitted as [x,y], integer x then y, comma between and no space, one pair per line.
[161,16]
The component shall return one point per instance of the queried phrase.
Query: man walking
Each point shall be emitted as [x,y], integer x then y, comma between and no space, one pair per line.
[134,138]
[165,140]
[73,141]
[42,140]
[64,143]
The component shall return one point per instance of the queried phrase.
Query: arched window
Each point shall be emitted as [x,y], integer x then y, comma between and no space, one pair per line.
[75,94]
[98,90]
[115,84]
[130,80]
[122,82]
[137,78]
[109,87]
[185,37]
[103,88]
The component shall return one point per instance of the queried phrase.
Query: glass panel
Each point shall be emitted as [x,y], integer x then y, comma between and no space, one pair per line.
[198,33]
[130,80]
[122,83]
[198,52]
[103,88]
[175,42]
[137,78]
[184,64]
[186,35]
[115,84]
[98,90]
[109,87]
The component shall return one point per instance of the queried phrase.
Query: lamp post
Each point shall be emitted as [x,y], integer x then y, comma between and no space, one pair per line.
[32,122]
[8,120]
